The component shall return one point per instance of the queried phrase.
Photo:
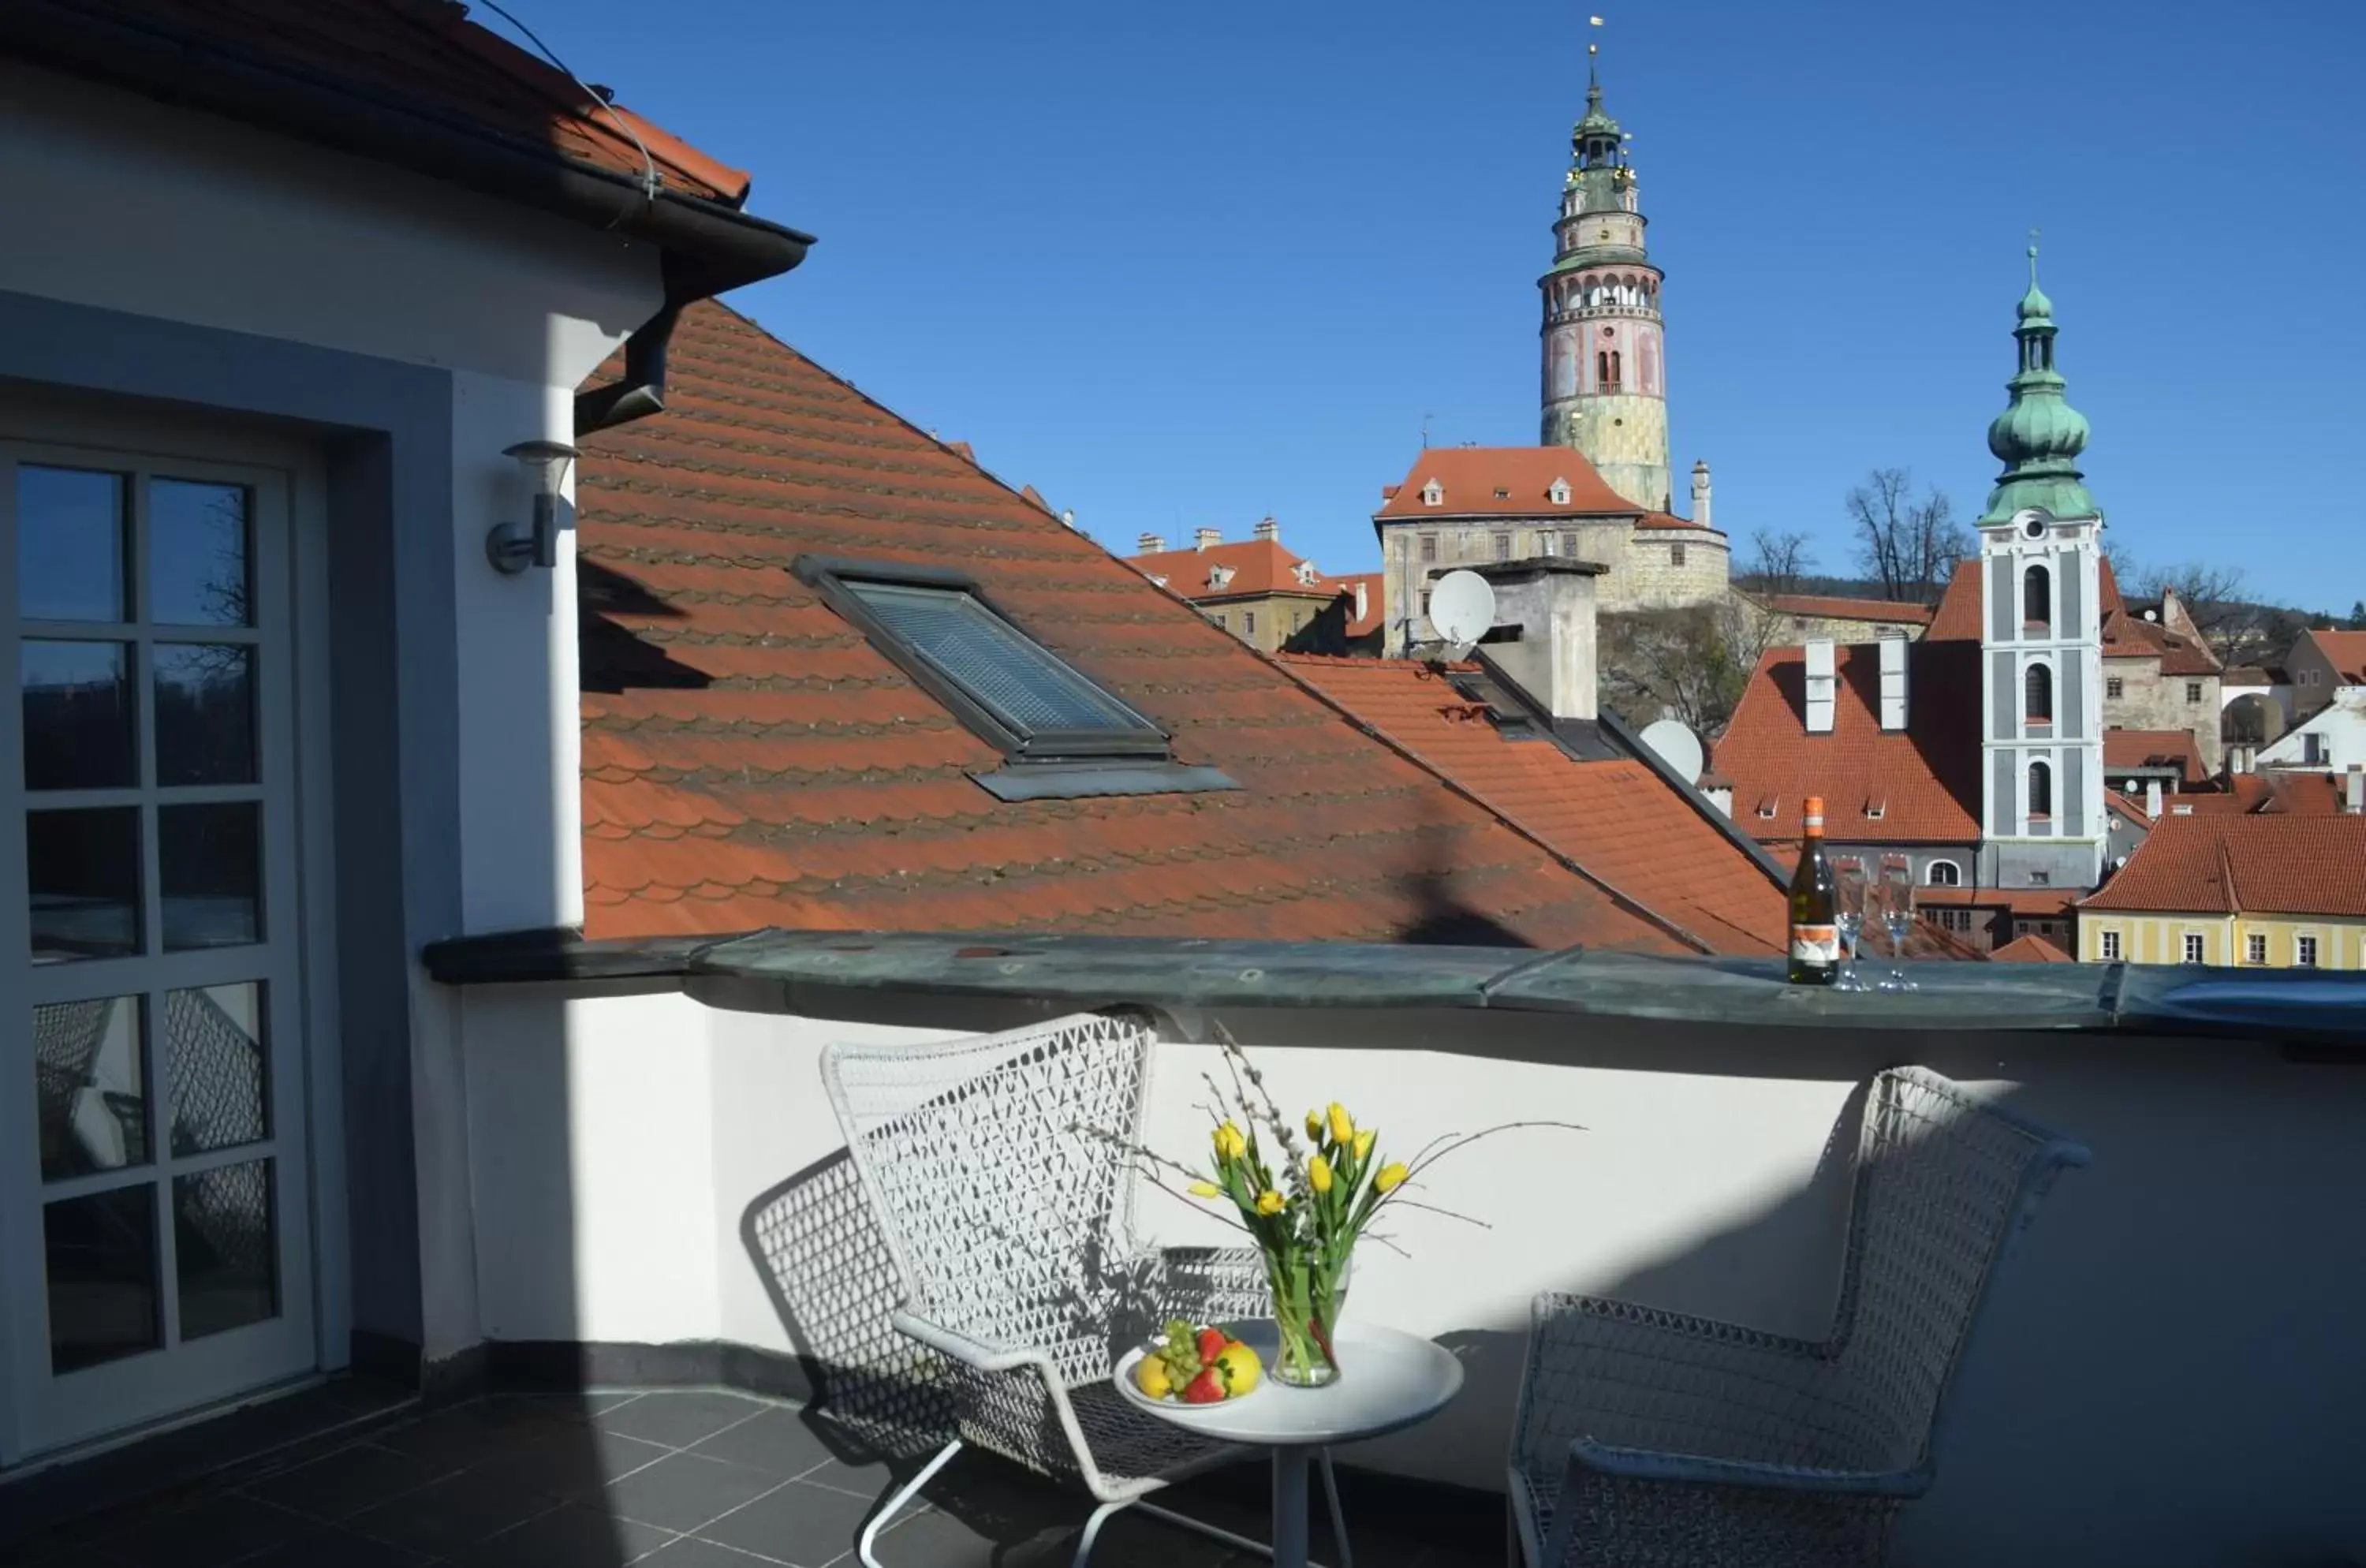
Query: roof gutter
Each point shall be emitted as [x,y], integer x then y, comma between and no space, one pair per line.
[709,246]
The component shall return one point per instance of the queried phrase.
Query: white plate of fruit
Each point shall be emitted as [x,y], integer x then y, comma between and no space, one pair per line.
[1189,1365]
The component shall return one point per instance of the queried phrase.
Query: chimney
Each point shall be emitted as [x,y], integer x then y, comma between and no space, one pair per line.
[1149,544]
[1551,602]
[1362,608]
[1207,539]
[2152,799]
[2353,791]
[1269,531]
[1069,517]
[1823,686]
[1700,495]
[1893,683]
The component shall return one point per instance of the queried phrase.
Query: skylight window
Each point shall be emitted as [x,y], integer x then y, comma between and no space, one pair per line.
[1048,717]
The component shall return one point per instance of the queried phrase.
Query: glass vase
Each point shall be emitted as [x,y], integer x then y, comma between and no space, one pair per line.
[1309,1292]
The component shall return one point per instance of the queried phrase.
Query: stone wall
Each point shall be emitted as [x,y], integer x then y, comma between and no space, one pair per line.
[1643,571]
[2150,700]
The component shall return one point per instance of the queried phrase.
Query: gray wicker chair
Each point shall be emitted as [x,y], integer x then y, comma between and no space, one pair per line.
[1011,1230]
[1649,1438]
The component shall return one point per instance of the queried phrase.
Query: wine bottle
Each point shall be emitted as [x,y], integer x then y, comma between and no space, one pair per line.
[1815,930]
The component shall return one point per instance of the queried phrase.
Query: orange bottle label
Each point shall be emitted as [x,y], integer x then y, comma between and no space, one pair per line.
[1816,945]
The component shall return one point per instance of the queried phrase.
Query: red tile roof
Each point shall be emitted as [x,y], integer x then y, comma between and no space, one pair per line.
[750,760]
[2346,652]
[2247,675]
[1924,778]
[2272,794]
[1618,819]
[2041,903]
[2126,749]
[2031,948]
[1669,520]
[1468,478]
[2132,637]
[1838,609]
[1259,567]
[1959,616]
[427,55]
[2280,865]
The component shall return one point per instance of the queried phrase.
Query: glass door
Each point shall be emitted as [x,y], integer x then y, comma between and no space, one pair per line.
[155,1220]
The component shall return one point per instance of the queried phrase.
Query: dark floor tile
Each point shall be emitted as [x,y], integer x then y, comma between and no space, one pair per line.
[683,1492]
[781,1441]
[456,1513]
[573,1462]
[692,1553]
[469,1434]
[577,1536]
[865,1478]
[679,1420]
[578,1406]
[350,1480]
[339,1548]
[214,1530]
[808,1526]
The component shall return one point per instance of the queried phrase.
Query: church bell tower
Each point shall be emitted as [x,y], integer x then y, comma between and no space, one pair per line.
[1605,389]
[2041,637]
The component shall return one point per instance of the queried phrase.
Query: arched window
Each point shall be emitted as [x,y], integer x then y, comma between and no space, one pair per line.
[1943,873]
[2037,596]
[1615,374]
[2037,695]
[2041,790]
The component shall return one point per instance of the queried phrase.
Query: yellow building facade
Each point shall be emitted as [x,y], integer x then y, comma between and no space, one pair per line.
[2256,942]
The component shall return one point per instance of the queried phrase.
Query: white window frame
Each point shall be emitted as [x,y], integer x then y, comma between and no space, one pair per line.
[1955,873]
[2308,951]
[288,569]
[2107,945]
[2255,947]
[2193,948]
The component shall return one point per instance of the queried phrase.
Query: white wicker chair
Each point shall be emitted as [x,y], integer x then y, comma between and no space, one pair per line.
[1011,1230]
[1650,1437]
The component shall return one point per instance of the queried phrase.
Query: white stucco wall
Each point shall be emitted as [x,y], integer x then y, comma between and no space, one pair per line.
[2341,725]
[121,203]
[2169,1374]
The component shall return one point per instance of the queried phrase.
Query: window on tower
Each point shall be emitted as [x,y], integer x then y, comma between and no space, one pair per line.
[2041,792]
[1617,376]
[2037,597]
[1602,366]
[2037,695]
[1428,548]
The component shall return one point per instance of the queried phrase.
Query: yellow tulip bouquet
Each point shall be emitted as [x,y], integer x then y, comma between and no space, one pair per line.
[1306,1207]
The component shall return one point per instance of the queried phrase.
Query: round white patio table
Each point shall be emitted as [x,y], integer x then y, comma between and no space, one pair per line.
[1389,1379]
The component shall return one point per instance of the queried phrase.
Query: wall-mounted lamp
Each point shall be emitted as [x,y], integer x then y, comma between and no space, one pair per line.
[513,546]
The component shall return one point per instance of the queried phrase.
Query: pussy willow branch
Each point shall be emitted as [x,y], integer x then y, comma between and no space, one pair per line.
[1292,1161]
[1459,1141]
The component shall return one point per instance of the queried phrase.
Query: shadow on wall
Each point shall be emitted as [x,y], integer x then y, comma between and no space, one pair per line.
[2133,1336]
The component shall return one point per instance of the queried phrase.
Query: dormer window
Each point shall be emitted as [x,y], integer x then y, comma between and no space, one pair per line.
[1502,494]
[1218,577]
[1560,493]
[1305,573]
[1432,493]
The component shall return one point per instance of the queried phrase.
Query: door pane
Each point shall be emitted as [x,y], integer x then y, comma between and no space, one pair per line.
[70,550]
[196,554]
[78,715]
[90,1087]
[214,1037]
[83,869]
[100,1253]
[204,713]
[210,866]
[226,1248]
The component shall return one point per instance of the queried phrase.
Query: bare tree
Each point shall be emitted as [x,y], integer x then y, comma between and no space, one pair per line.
[1910,546]
[2215,596]
[1777,561]
[1689,664]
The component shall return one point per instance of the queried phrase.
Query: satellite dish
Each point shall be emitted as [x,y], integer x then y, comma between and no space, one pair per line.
[1462,607]
[1676,746]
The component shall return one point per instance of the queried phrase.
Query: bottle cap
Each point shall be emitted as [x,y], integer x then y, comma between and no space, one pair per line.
[1814,813]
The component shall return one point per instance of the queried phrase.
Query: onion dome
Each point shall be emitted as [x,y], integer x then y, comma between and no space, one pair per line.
[2039,435]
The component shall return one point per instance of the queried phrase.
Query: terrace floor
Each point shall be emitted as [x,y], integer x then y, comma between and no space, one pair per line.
[683,1479]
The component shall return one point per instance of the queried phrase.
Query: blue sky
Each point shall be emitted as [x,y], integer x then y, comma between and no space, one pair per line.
[1182,266]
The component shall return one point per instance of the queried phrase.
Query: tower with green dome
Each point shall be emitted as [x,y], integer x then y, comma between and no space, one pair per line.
[2041,634]
[1605,362]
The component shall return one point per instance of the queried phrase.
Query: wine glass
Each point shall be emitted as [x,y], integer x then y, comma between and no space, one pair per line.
[1897,916]
[1848,899]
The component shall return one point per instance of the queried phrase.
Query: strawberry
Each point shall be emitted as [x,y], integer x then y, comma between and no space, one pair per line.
[1208,1388]
[1211,1341]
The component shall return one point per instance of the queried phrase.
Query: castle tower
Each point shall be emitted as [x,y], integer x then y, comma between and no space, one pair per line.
[1605,371]
[2042,646]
